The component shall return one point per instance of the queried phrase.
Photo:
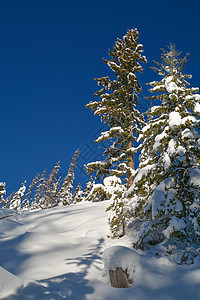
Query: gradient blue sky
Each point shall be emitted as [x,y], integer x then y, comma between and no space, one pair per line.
[51,51]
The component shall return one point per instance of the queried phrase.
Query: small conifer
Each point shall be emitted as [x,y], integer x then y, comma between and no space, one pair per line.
[65,193]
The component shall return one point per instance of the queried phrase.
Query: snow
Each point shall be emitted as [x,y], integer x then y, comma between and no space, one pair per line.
[155,107]
[175,224]
[170,85]
[63,252]
[109,134]
[142,172]
[181,150]
[158,138]
[167,161]
[188,118]
[157,199]
[187,134]
[193,97]
[111,180]
[174,119]
[9,283]
[197,108]
[146,128]
[171,147]
[158,88]
[195,176]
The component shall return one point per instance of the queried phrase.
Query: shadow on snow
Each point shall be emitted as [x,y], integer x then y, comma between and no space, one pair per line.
[71,286]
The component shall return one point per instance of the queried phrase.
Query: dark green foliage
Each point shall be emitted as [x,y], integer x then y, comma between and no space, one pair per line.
[117,108]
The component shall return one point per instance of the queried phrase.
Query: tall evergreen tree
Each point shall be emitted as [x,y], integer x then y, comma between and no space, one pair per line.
[166,179]
[88,188]
[65,193]
[2,193]
[48,198]
[39,190]
[117,108]
[8,200]
[54,193]
[26,202]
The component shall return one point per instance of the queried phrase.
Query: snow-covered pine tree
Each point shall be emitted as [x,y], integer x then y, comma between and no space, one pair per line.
[39,190]
[117,108]
[54,193]
[8,200]
[88,188]
[65,194]
[49,198]
[119,209]
[97,193]
[16,201]
[26,202]
[168,177]
[78,194]
[2,193]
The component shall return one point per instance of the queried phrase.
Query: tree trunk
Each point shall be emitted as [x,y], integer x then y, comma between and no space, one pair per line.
[130,163]
[118,278]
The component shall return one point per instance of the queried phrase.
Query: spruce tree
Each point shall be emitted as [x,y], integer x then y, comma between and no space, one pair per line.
[8,200]
[2,193]
[117,108]
[48,198]
[65,193]
[16,201]
[119,209]
[88,188]
[54,193]
[166,179]
[39,191]
[26,202]
[78,194]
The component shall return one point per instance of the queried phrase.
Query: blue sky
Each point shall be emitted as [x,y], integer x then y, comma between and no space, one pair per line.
[51,51]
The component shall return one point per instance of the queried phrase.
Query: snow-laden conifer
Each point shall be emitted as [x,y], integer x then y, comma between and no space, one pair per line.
[54,193]
[119,209]
[16,201]
[167,179]
[49,196]
[65,194]
[78,194]
[117,108]
[2,193]
[88,188]
[39,190]
[8,200]
[26,202]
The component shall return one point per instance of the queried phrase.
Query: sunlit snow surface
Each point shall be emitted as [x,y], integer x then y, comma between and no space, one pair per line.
[57,254]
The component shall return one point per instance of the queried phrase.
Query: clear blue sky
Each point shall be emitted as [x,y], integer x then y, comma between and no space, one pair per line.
[50,51]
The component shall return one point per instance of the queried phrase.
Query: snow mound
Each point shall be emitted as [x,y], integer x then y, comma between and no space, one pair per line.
[120,256]
[9,283]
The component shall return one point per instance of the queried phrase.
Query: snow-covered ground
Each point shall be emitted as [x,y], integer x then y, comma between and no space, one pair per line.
[57,254]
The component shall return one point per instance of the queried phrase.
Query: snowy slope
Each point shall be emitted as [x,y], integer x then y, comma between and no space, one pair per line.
[57,254]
